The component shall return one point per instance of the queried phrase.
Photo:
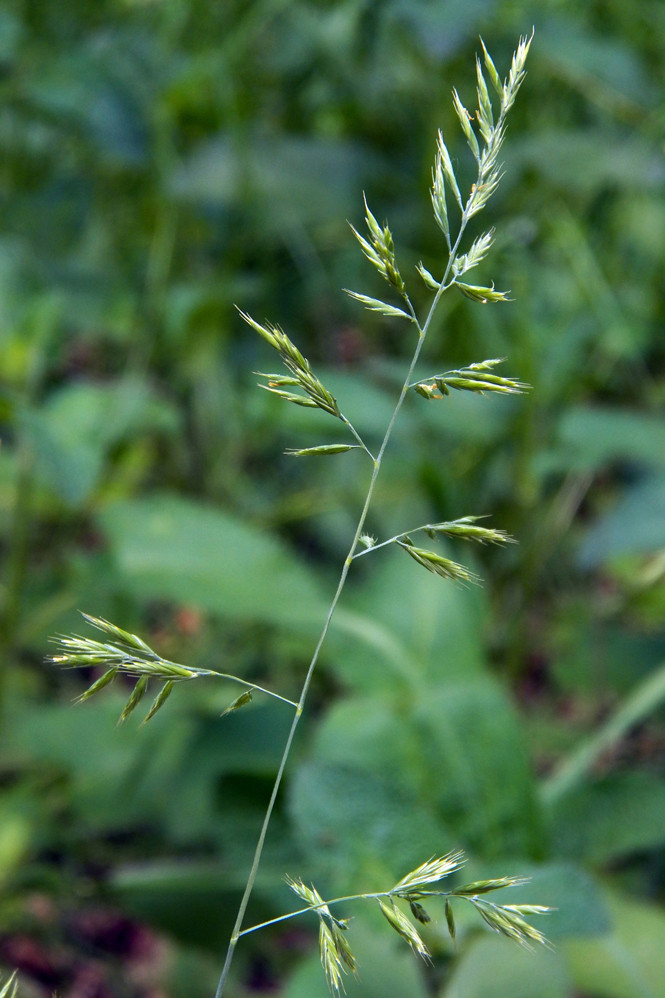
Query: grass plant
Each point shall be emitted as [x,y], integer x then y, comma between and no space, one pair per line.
[123,652]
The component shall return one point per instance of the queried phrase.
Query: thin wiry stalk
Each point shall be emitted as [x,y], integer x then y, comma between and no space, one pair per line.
[357,436]
[252,686]
[422,333]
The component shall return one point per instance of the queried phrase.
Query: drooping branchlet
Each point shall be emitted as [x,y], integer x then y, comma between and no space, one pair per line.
[400,923]
[334,949]
[437,564]
[129,654]
[474,378]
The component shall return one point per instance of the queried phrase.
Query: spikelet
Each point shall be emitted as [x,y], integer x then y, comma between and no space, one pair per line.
[437,564]
[380,251]
[8,989]
[465,529]
[302,376]
[474,378]
[403,926]
[431,871]
[507,921]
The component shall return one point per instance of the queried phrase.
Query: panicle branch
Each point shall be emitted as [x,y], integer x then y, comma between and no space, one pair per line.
[474,378]
[302,376]
[129,654]
[334,949]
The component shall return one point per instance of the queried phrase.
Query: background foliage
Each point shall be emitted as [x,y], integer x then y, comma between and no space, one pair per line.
[163,159]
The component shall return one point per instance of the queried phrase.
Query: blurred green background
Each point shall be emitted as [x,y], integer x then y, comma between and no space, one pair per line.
[161,160]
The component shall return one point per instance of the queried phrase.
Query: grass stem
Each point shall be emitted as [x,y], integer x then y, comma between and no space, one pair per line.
[422,333]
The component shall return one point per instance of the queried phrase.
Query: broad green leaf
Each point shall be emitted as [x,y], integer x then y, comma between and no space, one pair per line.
[497,968]
[457,748]
[592,654]
[467,417]
[629,962]
[188,899]
[435,623]
[577,766]
[109,780]
[442,28]
[591,823]
[73,431]
[478,774]
[635,525]
[587,160]
[172,548]
[374,735]
[589,61]
[361,831]
[289,180]
[593,436]
[16,832]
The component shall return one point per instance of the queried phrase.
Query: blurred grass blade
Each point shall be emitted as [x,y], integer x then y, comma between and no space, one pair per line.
[577,766]
[10,986]
[322,450]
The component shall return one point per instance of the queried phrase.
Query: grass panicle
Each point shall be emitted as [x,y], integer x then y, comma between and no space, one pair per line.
[430,872]
[421,883]
[122,652]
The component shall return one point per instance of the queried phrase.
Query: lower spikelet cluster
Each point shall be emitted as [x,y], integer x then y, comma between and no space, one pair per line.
[474,378]
[507,919]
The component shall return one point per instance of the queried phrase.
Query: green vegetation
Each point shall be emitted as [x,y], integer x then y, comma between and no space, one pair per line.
[162,161]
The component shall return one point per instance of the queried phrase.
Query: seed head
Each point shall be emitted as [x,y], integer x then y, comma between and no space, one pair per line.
[403,926]
[432,871]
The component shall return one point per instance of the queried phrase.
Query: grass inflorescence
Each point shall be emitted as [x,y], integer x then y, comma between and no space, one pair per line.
[404,905]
